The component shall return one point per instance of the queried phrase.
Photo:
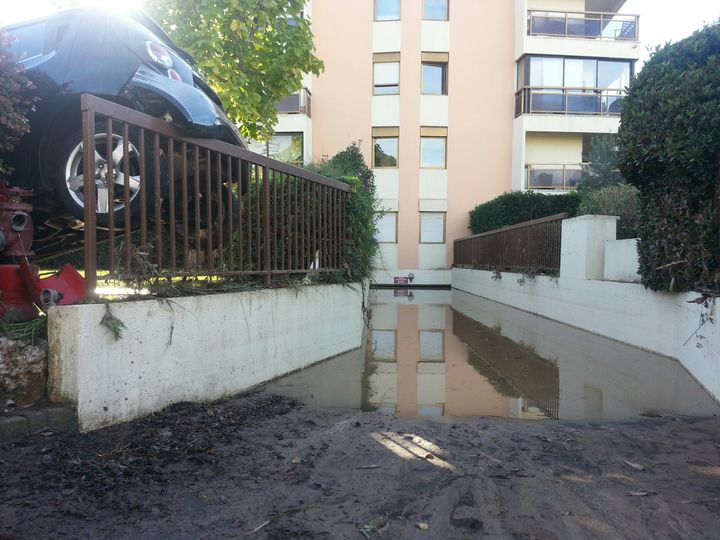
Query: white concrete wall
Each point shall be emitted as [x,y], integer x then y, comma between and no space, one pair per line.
[435,36]
[622,261]
[386,111]
[583,246]
[386,36]
[192,348]
[434,110]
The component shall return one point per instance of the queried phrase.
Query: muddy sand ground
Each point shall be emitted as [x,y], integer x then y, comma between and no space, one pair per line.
[261,466]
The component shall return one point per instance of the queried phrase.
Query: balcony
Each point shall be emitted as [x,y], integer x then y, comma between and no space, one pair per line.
[583,24]
[553,176]
[298,103]
[566,100]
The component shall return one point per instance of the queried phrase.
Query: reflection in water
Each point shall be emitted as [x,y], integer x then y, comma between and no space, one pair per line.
[453,354]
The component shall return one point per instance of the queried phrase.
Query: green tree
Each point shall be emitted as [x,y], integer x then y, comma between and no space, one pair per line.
[670,150]
[253,52]
[602,168]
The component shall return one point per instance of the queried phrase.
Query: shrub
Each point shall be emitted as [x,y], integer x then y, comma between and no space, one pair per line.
[519,206]
[15,102]
[620,200]
[601,170]
[669,148]
[349,166]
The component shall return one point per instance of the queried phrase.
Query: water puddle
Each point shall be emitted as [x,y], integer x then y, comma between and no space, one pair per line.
[448,353]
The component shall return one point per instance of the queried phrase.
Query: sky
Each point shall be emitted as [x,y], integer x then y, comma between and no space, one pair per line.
[660,20]
[669,20]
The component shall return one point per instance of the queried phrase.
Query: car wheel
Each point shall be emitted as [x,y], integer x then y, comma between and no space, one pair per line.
[65,171]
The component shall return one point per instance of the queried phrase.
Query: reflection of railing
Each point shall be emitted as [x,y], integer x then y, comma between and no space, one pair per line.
[553,176]
[583,24]
[568,100]
[529,246]
[175,206]
[298,103]
[513,369]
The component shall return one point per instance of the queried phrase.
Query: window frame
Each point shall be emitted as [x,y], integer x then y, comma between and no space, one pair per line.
[447,12]
[444,230]
[436,168]
[392,360]
[395,241]
[397,157]
[444,82]
[375,12]
[422,360]
[376,85]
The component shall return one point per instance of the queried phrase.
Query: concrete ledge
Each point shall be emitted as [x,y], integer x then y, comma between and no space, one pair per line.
[199,348]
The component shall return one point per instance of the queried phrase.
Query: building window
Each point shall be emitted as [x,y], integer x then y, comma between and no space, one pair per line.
[432,152]
[387,10]
[431,345]
[386,78]
[572,85]
[386,228]
[385,147]
[435,10]
[287,147]
[383,344]
[432,227]
[434,78]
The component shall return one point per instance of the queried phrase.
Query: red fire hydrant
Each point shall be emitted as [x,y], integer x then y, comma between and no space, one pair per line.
[22,291]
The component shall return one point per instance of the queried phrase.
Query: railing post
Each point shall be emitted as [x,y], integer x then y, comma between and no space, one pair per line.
[90,197]
[266,222]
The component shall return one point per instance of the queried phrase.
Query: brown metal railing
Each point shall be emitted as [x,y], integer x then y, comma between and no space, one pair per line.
[583,24]
[551,176]
[529,246]
[568,100]
[173,206]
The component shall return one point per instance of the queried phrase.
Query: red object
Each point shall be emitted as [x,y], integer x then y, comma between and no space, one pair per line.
[15,302]
[22,291]
[16,227]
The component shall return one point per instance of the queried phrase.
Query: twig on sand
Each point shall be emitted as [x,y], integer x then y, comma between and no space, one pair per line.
[288,512]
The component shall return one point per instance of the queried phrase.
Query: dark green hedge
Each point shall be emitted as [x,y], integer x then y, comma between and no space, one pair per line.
[669,148]
[519,206]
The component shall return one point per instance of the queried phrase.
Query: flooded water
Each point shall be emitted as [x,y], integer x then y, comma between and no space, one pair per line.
[449,353]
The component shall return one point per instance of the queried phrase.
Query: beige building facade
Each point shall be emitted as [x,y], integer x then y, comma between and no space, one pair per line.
[454,102]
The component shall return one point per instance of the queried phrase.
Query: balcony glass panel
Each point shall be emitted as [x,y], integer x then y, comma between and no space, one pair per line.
[583,25]
[548,24]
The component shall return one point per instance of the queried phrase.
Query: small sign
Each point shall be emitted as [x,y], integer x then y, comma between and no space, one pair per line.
[401,292]
[401,281]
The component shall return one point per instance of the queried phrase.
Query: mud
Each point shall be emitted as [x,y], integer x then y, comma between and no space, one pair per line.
[261,466]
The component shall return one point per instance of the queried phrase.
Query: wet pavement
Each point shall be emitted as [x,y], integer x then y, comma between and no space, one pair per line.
[449,353]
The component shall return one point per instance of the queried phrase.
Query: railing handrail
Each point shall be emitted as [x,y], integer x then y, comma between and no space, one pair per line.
[567,88]
[556,165]
[604,13]
[554,217]
[89,102]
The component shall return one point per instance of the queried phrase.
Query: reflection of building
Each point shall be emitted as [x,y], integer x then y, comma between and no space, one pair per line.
[421,363]
[458,101]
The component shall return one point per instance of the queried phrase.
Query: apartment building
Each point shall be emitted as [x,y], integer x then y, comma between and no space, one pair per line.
[454,102]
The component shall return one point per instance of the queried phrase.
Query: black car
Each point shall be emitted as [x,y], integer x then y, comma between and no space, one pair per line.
[124,58]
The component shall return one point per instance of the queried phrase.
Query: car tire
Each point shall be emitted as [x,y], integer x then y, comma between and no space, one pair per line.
[64,173]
